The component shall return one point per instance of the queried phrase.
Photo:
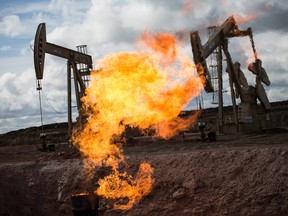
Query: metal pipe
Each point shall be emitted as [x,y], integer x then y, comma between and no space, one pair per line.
[85,204]
[220,90]
[231,78]
[39,88]
[69,101]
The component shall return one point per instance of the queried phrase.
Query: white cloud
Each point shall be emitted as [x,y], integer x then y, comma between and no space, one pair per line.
[5,48]
[142,15]
[11,26]
[16,91]
[272,49]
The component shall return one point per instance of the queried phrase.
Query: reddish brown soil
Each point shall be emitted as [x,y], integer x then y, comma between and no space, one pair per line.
[236,175]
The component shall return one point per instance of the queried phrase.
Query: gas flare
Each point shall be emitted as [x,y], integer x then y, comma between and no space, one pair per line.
[243,19]
[121,186]
[187,7]
[145,88]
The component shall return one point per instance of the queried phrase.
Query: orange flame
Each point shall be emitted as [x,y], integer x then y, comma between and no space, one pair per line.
[255,55]
[242,19]
[163,43]
[121,186]
[147,88]
[170,128]
[187,7]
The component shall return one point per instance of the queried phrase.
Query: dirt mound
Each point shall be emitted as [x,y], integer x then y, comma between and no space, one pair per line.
[31,135]
[219,181]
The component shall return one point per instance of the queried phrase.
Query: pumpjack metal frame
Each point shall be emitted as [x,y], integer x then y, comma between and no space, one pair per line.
[219,40]
[79,66]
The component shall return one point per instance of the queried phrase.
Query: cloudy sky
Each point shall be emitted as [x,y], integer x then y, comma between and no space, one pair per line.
[108,26]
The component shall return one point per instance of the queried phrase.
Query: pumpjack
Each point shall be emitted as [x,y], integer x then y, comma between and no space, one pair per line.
[79,66]
[247,109]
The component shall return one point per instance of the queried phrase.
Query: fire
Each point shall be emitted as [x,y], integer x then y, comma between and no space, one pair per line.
[255,55]
[121,186]
[167,129]
[242,19]
[187,7]
[145,88]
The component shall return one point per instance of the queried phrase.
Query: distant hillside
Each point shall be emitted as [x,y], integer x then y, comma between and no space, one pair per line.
[31,135]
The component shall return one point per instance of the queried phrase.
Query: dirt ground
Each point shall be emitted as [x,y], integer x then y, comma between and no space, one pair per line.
[236,175]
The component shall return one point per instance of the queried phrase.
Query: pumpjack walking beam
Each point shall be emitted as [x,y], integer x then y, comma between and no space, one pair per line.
[41,47]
